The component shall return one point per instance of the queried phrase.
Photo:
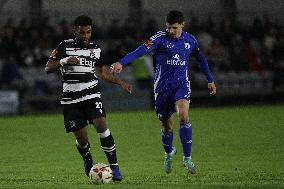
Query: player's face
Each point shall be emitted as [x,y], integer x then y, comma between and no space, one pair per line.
[175,29]
[83,34]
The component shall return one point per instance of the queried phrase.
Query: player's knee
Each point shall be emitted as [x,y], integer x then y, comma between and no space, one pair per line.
[167,130]
[81,137]
[100,124]
[82,141]
[167,126]
[183,117]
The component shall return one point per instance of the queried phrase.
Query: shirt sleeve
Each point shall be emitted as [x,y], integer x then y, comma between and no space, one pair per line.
[130,57]
[58,53]
[203,64]
[146,48]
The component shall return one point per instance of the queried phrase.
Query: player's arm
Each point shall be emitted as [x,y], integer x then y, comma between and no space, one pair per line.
[52,65]
[143,49]
[205,68]
[58,58]
[105,74]
[130,57]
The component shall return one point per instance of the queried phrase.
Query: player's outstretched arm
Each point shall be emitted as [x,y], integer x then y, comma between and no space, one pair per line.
[105,74]
[130,57]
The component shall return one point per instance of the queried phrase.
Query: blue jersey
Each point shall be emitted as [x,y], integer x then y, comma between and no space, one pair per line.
[171,58]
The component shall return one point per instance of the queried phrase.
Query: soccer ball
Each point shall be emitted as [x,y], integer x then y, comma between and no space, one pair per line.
[100,174]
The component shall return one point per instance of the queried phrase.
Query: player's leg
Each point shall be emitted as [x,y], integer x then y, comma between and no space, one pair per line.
[95,113]
[164,110]
[83,146]
[106,139]
[108,146]
[185,133]
[74,121]
[167,135]
[167,139]
[185,130]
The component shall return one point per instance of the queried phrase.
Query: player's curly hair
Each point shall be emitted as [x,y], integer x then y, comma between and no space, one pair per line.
[83,20]
[175,16]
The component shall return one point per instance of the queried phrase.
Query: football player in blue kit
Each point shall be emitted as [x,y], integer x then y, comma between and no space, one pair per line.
[171,50]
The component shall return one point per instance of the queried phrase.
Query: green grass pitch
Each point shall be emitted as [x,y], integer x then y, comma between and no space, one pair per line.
[233,147]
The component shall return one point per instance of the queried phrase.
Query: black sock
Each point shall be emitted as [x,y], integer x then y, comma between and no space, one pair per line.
[85,151]
[108,146]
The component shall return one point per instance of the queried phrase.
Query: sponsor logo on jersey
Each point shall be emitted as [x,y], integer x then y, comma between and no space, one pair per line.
[176,61]
[85,62]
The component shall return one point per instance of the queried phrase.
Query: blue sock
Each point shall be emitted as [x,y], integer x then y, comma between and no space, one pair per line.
[185,133]
[167,140]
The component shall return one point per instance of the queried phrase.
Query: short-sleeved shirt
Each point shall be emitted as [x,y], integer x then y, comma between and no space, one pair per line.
[80,82]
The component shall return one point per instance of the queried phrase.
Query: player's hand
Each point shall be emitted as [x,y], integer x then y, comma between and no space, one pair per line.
[73,60]
[212,88]
[127,87]
[116,68]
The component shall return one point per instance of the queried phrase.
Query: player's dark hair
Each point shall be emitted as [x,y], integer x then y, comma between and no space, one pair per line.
[175,16]
[83,20]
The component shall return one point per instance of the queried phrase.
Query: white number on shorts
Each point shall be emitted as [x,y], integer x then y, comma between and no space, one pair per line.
[99,105]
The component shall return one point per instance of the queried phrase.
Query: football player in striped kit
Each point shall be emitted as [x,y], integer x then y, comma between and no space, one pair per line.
[79,61]
[171,50]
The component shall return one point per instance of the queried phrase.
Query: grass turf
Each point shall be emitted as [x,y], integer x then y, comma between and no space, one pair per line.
[236,147]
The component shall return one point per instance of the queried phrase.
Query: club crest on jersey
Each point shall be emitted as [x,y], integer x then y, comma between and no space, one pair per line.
[186,45]
[95,53]
[148,44]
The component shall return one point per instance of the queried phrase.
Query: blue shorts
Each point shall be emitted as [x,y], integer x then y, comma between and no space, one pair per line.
[165,101]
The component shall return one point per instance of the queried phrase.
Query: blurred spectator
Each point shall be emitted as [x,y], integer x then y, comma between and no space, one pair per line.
[10,75]
[205,39]
[150,29]
[257,29]
[237,55]
[229,45]
[226,32]
[143,72]
[218,56]
[115,30]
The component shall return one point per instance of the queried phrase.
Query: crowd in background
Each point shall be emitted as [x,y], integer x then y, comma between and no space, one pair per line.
[229,45]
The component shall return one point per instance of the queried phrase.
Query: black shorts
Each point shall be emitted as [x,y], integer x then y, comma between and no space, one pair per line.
[77,115]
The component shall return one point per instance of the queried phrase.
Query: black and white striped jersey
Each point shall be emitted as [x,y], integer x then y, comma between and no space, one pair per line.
[79,81]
